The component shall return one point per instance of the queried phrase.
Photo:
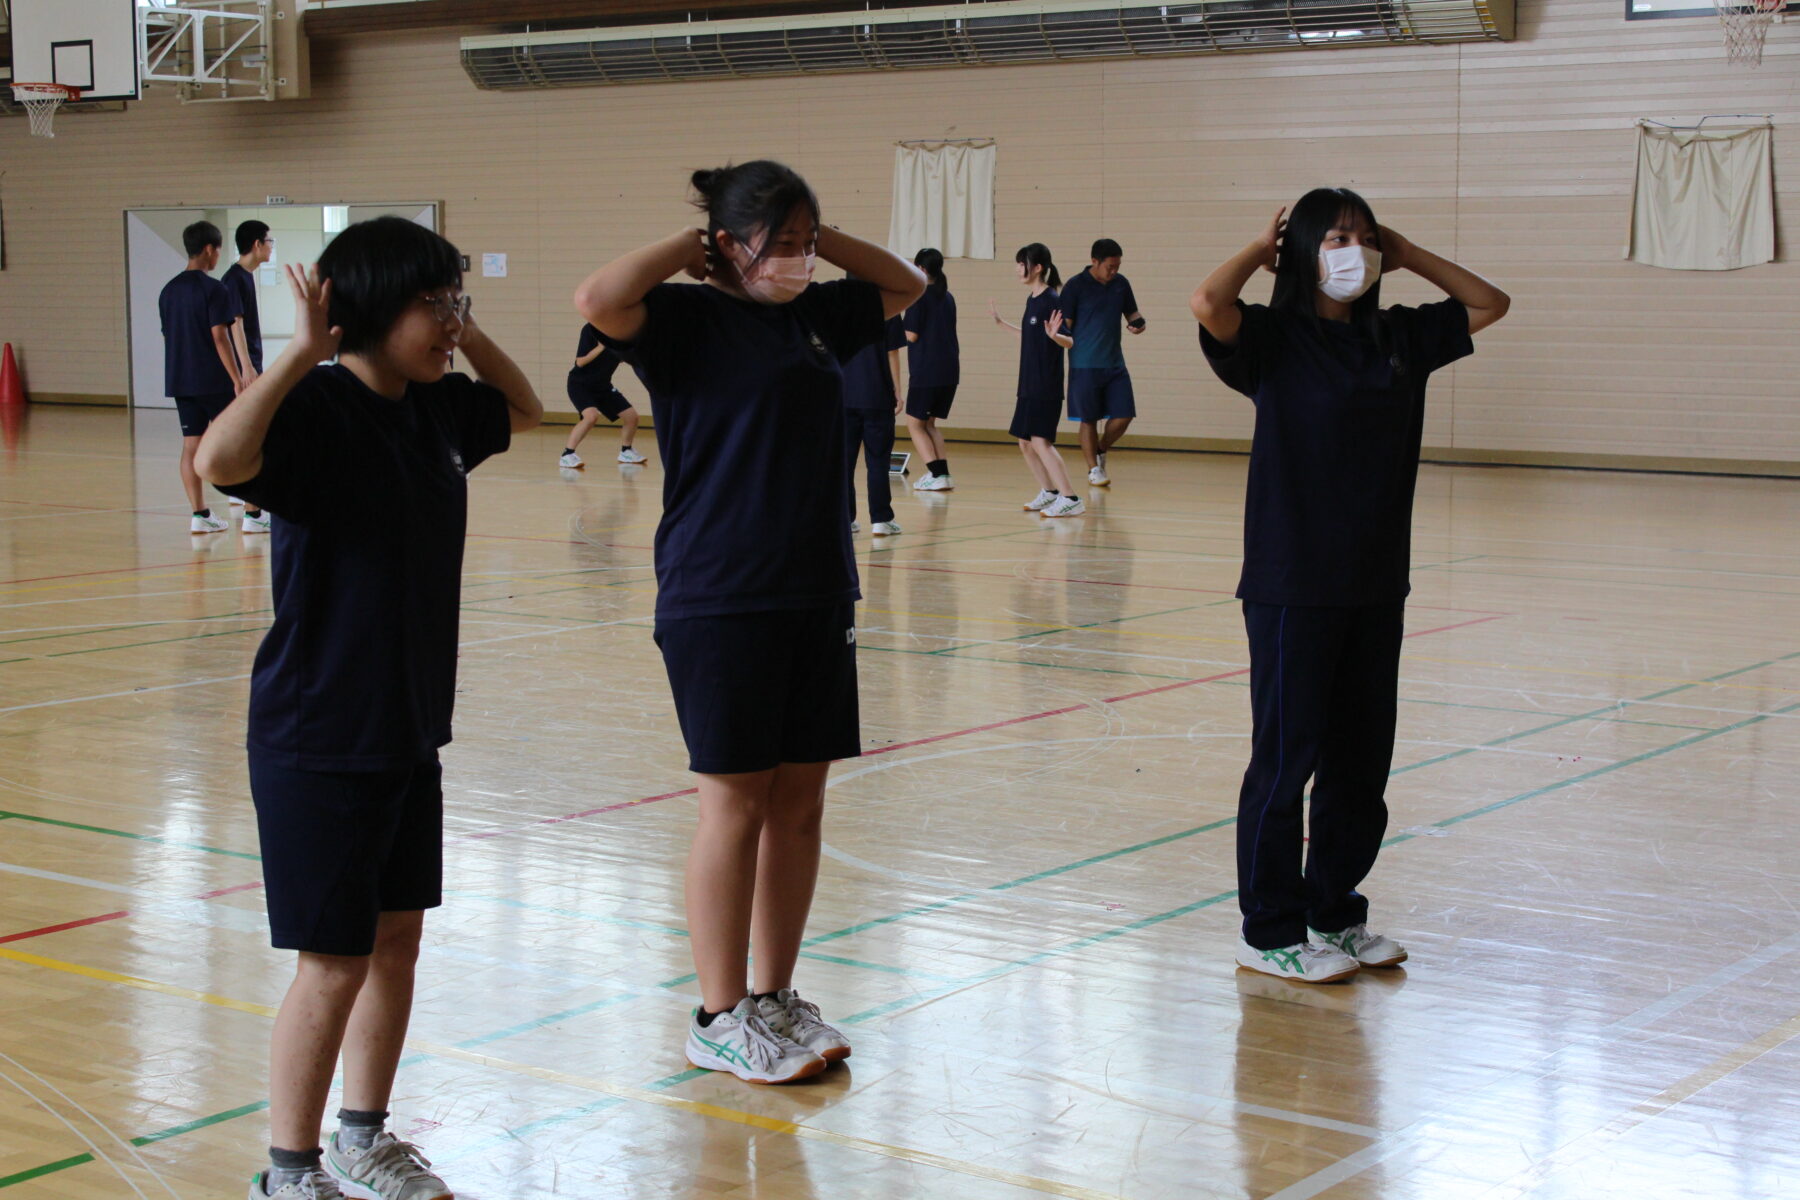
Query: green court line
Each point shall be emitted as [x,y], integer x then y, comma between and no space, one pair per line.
[160,1135]
[50,637]
[159,642]
[1524,712]
[1055,629]
[1620,582]
[1040,956]
[136,837]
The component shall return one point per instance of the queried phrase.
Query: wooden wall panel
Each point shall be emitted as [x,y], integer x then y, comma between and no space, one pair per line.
[1516,158]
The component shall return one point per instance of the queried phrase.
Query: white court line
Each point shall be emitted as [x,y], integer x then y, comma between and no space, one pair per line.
[99,1154]
[1472,1110]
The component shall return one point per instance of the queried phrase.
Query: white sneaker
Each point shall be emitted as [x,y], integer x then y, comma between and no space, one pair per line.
[934,483]
[388,1170]
[570,461]
[1303,962]
[798,1021]
[1369,949]
[256,524]
[742,1043]
[207,525]
[317,1186]
[1044,500]
[235,502]
[1097,477]
[1065,506]
[628,455]
[855,527]
[884,529]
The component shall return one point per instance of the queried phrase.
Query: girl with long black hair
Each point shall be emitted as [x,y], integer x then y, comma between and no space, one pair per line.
[755,579]
[1339,387]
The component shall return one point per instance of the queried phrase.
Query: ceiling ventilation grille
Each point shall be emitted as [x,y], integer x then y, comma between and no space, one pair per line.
[965,35]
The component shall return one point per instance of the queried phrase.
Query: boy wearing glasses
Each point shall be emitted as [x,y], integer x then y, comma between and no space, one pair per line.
[351,693]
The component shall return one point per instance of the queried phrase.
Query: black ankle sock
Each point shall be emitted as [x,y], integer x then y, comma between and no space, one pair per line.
[704,1016]
[203,512]
[938,466]
[765,995]
[295,1160]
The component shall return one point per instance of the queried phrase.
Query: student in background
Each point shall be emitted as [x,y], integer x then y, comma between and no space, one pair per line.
[1094,304]
[872,400]
[1038,407]
[592,393]
[933,369]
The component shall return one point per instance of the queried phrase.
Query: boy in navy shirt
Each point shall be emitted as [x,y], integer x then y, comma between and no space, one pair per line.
[351,694]
[255,247]
[200,370]
[1093,304]
[872,400]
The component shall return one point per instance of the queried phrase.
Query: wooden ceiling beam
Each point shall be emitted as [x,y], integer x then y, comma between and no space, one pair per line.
[355,20]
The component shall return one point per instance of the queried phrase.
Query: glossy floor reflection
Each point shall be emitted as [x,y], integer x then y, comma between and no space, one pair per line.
[1026,913]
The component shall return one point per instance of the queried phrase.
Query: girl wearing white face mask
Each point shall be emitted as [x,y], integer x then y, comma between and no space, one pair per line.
[755,578]
[1339,386]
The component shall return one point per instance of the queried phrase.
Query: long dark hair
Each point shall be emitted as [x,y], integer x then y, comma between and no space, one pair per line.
[1297,264]
[760,194]
[1038,255]
[931,262]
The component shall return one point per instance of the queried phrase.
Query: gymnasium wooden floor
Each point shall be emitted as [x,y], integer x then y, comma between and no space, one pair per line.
[1026,915]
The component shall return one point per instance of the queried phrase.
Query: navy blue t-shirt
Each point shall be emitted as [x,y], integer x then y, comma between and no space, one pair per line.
[1092,313]
[597,376]
[358,672]
[869,377]
[748,401]
[192,303]
[1335,455]
[242,286]
[935,360]
[1040,359]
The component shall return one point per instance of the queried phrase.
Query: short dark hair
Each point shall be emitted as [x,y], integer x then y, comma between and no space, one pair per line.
[198,236]
[760,194]
[1106,248]
[250,233]
[376,269]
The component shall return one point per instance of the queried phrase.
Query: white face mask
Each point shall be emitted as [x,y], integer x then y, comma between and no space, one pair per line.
[779,280]
[1348,271]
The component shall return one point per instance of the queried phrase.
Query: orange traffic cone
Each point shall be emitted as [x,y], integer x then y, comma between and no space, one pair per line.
[11,390]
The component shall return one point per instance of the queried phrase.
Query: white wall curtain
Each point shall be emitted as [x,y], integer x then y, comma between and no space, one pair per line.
[943,197]
[1704,200]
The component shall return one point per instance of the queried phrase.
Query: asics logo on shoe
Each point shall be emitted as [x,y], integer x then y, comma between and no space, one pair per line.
[1286,959]
[724,1050]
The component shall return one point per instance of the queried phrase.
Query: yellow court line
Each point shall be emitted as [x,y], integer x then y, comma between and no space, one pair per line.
[622,1091]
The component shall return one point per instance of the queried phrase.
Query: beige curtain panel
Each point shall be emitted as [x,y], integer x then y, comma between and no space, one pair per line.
[943,197]
[1704,200]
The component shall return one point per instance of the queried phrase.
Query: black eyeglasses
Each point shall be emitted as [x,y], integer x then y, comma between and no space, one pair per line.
[443,307]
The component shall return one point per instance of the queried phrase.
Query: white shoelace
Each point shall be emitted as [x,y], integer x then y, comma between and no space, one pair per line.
[761,1044]
[391,1162]
[317,1186]
[804,1015]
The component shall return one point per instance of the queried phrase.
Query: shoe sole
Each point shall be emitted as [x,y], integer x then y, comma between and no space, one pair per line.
[1341,975]
[885,533]
[1386,963]
[831,1056]
[567,467]
[358,1191]
[806,1073]
[1050,516]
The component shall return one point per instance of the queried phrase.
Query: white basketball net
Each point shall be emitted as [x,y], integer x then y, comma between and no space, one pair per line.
[1745,26]
[40,104]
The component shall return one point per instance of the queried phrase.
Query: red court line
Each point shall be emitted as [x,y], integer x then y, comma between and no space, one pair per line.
[606,808]
[1158,587]
[128,570]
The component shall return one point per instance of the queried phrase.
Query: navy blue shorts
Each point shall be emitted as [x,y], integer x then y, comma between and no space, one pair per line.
[1036,417]
[754,690]
[923,402]
[611,402]
[197,412]
[340,848]
[1099,393]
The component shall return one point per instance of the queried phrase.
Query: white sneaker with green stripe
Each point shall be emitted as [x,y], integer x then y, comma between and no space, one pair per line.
[1303,962]
[741,1042]
[799,1021]
[1369,949]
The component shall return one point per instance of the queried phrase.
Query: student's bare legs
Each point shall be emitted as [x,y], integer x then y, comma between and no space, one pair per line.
[721,881]
[628,425]
[787,870]
[377,1030]
[1090,444]
[1051,465]
[190,478]
[1115,429]
[589,416]
[357,1005]
[1035,463]
[926,437]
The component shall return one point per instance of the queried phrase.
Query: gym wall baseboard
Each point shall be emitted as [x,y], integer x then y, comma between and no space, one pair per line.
[82,398]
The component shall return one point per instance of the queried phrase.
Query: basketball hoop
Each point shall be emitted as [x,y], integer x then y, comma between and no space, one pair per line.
[1745,26]
[41,100]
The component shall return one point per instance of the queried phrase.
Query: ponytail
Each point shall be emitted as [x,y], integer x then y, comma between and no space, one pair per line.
[931,262]
[751,197]
[1038,255]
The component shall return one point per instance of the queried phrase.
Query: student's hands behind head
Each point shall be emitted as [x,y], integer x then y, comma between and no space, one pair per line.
[702,259]
[314,334]
[1394,250]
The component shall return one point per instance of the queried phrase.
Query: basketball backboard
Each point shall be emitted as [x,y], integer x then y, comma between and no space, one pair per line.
[85,44]
[1642,10]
